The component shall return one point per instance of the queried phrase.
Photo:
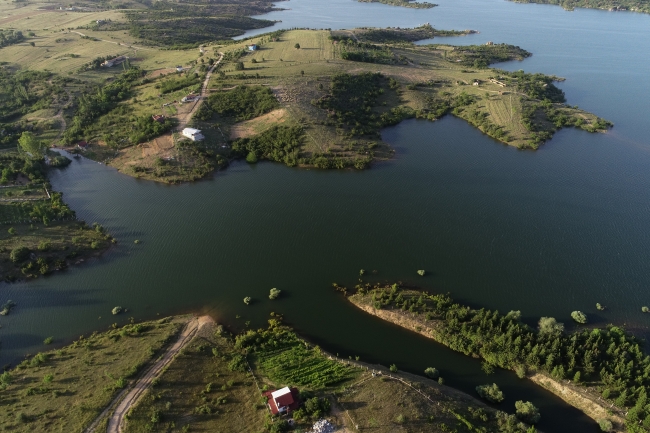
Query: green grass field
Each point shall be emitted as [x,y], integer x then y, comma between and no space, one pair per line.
[66,389]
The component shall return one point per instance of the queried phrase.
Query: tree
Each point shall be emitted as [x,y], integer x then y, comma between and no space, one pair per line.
[433,373]
[247,300]
[32,44]
[527,412]
[605,425]
[297,46]
[393,368]
[19,254]
[579,317]
[239,66]
[491,393]
[31,145]
[274,293]
[548,325]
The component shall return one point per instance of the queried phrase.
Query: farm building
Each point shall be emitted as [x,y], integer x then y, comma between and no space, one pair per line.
[193,134]
[112,62]
[283,400]
[252,47]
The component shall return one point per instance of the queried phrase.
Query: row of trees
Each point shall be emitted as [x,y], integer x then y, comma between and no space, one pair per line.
[609,358]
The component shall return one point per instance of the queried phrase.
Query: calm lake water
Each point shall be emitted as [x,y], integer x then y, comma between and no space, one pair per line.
[543,232]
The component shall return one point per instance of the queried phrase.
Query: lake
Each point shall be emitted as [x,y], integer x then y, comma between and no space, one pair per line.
[544,232]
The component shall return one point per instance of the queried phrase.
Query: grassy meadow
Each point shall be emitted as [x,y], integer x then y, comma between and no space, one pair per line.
[67,388]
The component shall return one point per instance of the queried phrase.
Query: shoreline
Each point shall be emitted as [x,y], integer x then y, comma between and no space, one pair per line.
[573,396]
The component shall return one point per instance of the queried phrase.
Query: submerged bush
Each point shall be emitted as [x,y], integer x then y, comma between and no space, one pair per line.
[579,317]
[431,372]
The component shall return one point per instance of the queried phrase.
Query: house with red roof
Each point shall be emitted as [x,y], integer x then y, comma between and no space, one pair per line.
[283,400]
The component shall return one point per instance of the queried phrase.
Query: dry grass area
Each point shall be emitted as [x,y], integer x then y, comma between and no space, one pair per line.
[407,403]
[258,125]
[199,393]
[65,389]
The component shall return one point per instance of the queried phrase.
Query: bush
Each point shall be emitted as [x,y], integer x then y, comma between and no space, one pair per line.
[243,102]
[579,317]
[12,231]
[491,393]
[527,412]
[599,307]
[393,368]
[645,309]
[116,310]
[421,272]
[431,372]
[548,325]
[19,254]
[605,425]
[247,300]
[48,340]
[274,293]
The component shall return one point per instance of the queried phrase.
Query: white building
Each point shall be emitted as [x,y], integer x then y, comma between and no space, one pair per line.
[193,134]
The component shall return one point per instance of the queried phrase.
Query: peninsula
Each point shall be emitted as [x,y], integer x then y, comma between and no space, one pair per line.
[601,371]
[623,5]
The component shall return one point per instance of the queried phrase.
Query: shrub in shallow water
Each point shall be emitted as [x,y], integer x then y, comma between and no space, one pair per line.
[274,293]
[247,300]
[431,372]
[579,317]
[491,393]
[421,272]
[116,310]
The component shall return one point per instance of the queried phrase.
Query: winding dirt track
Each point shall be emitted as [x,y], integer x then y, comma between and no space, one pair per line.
[185,119]
[129,397]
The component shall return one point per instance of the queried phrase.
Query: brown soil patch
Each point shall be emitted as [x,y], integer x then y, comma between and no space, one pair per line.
[158,146]
[260,124]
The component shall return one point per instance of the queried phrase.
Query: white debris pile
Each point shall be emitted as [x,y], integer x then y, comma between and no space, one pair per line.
[322,426]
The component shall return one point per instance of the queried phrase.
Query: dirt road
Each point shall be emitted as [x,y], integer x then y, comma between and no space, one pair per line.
[130,396]
[185,119]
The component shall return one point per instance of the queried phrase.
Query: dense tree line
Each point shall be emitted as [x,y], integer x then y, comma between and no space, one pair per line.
[279,143]
[536,86]
[610,358]
[10,37]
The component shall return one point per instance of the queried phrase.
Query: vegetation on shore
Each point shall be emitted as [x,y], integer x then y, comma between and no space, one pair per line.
[394,35]
[67,388]
[603,363]
[40,233]
[403,3]
[618,5]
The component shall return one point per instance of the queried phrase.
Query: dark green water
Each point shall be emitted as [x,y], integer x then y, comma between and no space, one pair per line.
[543,232]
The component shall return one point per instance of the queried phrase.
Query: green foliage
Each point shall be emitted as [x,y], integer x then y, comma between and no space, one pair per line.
[285,358]
[247,300]
[279,143]
[599,307]
[243,102]
[116,310]
[548,325]
[19,254]
[621,5]
[527,412]
[605,425]
[431,372]
[274,293]
[393,368]
[144,128]
[403,3]
[10,37]
[645,309]
[421,272]
[491,393]
[48,340]
[579,317]
[90,106]
[481,56]
[31,145]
